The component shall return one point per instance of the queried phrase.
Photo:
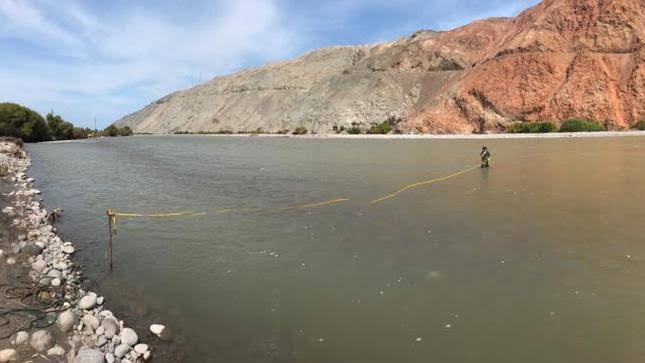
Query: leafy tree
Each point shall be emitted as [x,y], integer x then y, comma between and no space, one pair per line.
[59,128]
[22,122]
[111,131]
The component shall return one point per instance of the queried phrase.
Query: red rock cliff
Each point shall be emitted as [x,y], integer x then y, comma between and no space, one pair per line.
[559,59]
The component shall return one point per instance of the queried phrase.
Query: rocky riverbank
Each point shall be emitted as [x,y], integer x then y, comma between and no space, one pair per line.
[49,316]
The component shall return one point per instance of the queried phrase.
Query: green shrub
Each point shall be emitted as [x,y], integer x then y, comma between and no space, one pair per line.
[640,125]
[580,125]
[354,130]
[283,131]
[111,131]
[382,128]
[125,131]
[300,130]
[531,128]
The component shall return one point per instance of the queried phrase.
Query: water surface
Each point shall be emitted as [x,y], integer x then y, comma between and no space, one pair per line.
[539,259]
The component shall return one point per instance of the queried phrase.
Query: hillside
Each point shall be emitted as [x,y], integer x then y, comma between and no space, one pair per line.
[559,59]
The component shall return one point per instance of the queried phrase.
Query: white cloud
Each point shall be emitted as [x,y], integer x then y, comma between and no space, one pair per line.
[140,52]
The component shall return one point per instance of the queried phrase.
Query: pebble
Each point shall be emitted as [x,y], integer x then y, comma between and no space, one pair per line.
[55,274]
[11,261]
[101,341]
[39,265]
[56,350]
[56,282]
[8,355]
[68,249]
[129,337]
[99,300]
[121,350]
[157,329]
[20,338]
[86,355]
[41,340]
[91,321]
[141,348]
[66,320]
[109,357]
[110,326]
[87,302]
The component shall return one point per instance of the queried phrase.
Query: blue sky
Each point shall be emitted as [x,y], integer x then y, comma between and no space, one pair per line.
[104,59]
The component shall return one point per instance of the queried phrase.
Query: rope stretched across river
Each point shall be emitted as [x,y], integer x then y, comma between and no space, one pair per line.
[114,215]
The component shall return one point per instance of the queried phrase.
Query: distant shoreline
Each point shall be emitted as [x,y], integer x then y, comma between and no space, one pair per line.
[551,135]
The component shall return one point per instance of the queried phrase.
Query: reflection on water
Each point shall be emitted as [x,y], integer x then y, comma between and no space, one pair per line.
[538,259]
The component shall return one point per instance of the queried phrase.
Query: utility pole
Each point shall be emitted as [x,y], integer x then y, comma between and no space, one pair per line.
[95,129]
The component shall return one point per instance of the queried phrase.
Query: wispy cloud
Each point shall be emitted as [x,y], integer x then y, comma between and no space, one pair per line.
[106,59]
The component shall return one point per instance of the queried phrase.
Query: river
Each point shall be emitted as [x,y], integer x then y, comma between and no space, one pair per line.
[538,259]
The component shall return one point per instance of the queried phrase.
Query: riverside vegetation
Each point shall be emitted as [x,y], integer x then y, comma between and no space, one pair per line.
[26,124]
[568,125]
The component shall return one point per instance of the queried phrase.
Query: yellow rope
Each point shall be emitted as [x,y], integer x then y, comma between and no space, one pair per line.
[114,215]
[333,201]
[426,182]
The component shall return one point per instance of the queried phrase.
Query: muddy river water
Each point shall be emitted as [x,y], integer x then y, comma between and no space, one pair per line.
[541,258]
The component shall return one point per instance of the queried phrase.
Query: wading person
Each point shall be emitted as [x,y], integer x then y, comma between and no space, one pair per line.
[485,155]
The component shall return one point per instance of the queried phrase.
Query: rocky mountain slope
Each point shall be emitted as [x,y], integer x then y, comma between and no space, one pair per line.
[559,59]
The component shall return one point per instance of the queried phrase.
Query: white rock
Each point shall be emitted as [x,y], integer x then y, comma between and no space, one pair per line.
[110,326]
[121,350]
[55,274]
[129,337]
[157,329]
[1,253]
[141,348]
[86,355]
[41,340]
[66,320]
[105,313]
[146,355]
[56,350]
[11,261]
[99,300]
[39,265]
[87,302]
[8,355]
[55,282]
[68,249]
[20,338]
[91,321]
[109,357]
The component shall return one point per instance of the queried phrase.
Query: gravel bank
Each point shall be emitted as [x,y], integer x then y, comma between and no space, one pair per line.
[60,320]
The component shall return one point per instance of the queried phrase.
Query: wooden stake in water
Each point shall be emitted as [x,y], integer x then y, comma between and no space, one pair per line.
[110,215]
